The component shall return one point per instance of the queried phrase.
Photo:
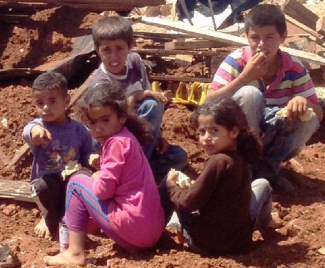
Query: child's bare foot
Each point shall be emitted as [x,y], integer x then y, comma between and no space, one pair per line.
[276,221]
[66,258]
[42,230]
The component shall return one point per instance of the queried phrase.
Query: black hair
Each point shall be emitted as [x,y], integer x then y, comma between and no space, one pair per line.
[110,94]
[227,113]
[112,28]
[266,15]
[51,81]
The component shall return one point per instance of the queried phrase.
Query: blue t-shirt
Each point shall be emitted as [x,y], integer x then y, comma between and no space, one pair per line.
[70,141]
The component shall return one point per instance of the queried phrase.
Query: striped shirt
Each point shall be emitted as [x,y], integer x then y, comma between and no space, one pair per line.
[291,80]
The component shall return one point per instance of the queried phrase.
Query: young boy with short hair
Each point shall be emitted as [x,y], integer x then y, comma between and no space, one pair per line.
[263,79]
[113,39]
[55,139]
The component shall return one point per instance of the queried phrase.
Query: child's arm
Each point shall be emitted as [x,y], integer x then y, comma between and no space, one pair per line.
[40,135]
[255,68]
[35,134]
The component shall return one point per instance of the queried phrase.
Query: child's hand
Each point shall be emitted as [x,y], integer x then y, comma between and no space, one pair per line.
[95,175]
[40,135]
[158,96]
[94,161]
[256,67]
[162,145]
[297,106]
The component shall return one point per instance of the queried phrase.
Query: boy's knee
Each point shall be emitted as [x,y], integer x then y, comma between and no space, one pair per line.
[261,184]
[152,105]
[249,94]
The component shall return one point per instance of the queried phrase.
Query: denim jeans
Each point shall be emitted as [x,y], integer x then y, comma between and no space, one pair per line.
[176,157]
[282,138]
[152,111]
[261,203]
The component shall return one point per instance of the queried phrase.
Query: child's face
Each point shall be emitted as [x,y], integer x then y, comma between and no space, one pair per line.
[215,138]
[51,105]
[104,122]
[113,54]
[267,39]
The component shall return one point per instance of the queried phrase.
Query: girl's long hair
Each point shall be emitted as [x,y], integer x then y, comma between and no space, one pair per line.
[227,113]
[111,95]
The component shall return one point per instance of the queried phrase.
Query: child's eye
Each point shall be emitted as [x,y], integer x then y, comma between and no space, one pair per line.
[39,103]
[214,130]
[201,132]
[106,120]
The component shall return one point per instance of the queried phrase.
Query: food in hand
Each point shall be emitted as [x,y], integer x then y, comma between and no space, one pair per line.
[182,181]
[260,52]
[283,113]
[92,158]
[70,168]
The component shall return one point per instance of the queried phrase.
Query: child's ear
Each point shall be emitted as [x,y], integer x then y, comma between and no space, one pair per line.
[234,132]
[284,36]
[130,47]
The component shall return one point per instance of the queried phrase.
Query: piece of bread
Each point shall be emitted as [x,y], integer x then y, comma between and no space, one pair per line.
[283,113]
[70,168]
[182,181]
[92,158]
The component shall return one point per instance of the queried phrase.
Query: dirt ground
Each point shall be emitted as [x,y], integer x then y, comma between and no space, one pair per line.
[46,36]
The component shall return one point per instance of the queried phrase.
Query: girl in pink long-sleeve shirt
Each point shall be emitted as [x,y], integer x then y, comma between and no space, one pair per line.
[122,196]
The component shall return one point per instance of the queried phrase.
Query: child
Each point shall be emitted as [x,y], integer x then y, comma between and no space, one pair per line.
[122,198]
[113,40]
[220,210]
[263,79]
[55,139]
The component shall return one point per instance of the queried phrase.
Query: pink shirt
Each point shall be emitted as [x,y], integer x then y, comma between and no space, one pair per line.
[292,79]
[135,212]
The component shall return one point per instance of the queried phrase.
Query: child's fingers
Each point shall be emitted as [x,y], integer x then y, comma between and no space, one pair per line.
[47,135]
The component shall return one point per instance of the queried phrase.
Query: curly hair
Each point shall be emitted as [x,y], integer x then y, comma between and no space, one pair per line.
[110,95]
[227,113]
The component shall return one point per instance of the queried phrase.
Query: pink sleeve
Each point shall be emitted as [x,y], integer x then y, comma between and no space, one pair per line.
[111,165]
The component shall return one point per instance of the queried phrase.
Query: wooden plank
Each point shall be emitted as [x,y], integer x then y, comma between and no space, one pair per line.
[191,44]
[179,78]
[17,190]
[300,13]
[164,52]
[98,6]
[320,26]
[225,38]
[107,2]
[317,37]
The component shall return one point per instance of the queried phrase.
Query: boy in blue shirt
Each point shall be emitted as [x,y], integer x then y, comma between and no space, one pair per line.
[55,139]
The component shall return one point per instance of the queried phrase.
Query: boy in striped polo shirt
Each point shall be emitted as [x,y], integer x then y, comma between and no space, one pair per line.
[263,79]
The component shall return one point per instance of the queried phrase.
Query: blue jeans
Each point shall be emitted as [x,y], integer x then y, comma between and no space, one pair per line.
[282,138]
[176,157]
[152,111]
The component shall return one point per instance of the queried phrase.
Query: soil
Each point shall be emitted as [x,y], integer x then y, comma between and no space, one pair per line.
[46,36]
